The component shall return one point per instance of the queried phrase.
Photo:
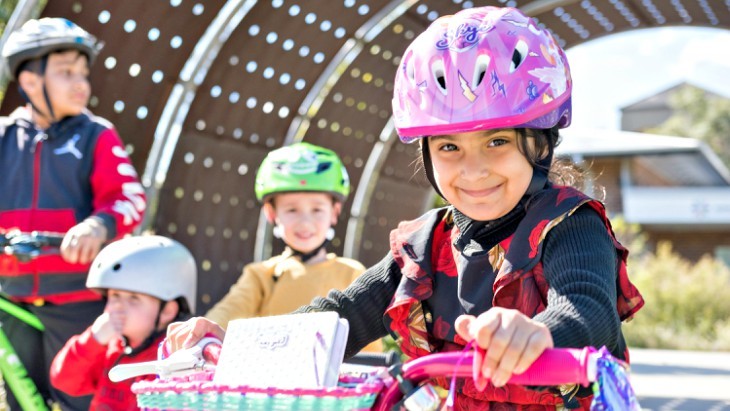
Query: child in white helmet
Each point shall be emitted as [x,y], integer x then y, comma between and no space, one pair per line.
[148,282]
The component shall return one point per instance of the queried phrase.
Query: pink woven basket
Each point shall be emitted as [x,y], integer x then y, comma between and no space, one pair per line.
[198,392]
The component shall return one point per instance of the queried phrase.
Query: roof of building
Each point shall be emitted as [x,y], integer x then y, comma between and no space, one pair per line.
[684,161]
[661,98]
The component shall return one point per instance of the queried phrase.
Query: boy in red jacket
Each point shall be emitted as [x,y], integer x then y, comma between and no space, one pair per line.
[67,172]
[148,283]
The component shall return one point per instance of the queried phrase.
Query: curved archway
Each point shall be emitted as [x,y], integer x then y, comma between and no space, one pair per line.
[213,85]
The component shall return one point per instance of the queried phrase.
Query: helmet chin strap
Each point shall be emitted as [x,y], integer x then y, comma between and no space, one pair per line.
[308,256]
[277,231]
[427,166]
[147,342]
[51,117]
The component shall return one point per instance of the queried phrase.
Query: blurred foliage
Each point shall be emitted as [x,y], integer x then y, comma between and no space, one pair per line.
[6,10]
[687,304]
[631,237]
[701,115]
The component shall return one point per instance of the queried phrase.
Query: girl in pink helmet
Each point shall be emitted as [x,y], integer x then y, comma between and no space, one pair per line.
[515,262]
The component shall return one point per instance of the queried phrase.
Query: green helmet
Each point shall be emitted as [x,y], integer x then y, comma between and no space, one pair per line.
[302,167]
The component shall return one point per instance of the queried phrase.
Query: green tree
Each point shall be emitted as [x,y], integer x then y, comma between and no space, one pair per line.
[700,115]
[6,10]
[687,304]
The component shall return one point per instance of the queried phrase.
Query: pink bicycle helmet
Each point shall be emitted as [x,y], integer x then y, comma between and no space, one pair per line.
[481,68]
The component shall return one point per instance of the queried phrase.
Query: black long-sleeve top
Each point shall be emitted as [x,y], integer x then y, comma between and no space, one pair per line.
[579,263]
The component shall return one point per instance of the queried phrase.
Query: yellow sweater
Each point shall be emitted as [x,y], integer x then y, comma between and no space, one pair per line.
[282,284]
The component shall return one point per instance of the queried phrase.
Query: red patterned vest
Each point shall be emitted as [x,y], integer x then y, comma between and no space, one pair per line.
[519,284]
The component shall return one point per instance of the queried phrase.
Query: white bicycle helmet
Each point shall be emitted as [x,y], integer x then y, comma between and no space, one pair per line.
[37,38]
[153,265]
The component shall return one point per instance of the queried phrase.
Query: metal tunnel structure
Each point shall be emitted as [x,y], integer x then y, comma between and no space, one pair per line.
[200,91]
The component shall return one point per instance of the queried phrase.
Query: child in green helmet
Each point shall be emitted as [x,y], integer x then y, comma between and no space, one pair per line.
[302,188]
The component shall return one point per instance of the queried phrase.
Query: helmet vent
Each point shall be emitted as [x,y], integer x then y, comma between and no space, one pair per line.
[117,267]
[518,56]
[438,71]
[480,69]
[409,68]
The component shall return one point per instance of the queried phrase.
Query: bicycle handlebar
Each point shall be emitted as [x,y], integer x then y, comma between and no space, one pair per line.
[27,246]
[555,366]
[212,352]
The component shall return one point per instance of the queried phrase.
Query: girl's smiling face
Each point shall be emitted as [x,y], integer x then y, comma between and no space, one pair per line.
[483,173]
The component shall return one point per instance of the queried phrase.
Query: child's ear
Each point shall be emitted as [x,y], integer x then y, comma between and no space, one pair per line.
[29,81]
[169,312]
[270,212]
[336,210]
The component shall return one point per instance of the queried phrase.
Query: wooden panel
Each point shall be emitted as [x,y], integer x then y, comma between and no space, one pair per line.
[207,203]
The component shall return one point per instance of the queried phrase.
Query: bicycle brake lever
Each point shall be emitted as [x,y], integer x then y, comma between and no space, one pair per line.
[180,362]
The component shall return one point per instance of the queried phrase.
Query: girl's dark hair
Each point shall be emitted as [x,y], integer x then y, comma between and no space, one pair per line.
[541,155]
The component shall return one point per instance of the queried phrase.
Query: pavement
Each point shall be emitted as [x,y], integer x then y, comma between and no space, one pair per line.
[667,380]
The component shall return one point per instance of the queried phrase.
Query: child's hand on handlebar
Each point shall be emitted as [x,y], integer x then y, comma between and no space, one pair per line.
[84,241]
[182,335]
[511,342]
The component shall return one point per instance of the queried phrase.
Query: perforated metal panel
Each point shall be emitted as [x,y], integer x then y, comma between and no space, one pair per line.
[269,73]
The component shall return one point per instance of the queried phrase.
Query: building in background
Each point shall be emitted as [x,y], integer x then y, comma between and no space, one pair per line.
[677,189]
[656,109]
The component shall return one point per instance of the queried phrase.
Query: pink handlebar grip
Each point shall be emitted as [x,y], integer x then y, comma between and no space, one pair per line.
[554,367]
[557,367]
[211,352]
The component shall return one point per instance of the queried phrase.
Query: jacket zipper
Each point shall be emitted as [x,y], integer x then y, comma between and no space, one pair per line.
[36,150]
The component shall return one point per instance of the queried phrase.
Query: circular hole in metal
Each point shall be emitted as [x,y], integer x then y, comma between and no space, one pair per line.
[110,62]
[130,25]
[153,34]
[104,17]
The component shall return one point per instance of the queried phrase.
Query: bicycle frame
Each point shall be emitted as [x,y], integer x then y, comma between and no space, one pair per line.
[13,371]
[24,247]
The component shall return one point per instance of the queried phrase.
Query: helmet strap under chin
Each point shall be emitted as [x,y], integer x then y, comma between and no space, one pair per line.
[308,256]
[147,342]
[428,165]
[50,116]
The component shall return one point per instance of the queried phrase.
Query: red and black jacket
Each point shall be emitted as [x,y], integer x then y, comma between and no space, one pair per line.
[50,181]
[82,368]
[519,283]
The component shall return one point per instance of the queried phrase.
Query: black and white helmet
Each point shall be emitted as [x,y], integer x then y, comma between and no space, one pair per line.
[37,38]
[153,265]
